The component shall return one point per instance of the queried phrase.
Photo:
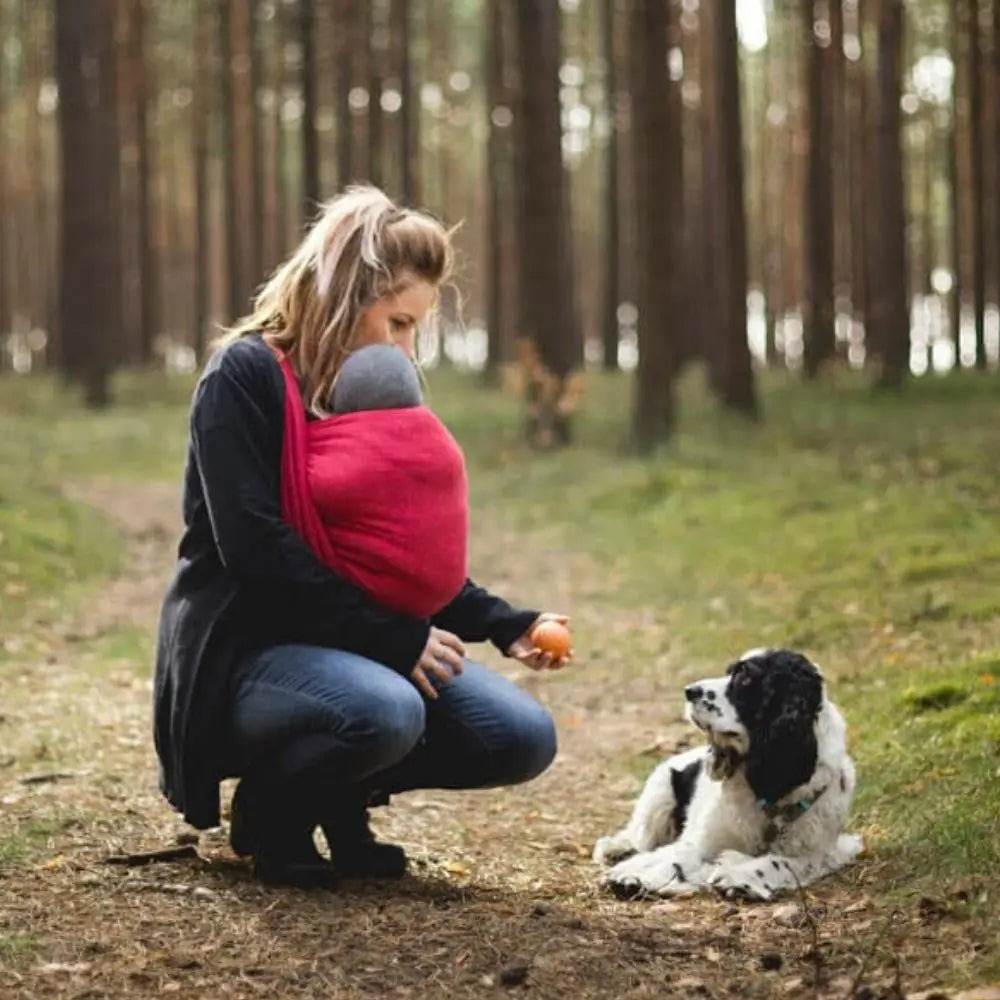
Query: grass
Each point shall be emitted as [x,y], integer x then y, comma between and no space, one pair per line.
[860,527]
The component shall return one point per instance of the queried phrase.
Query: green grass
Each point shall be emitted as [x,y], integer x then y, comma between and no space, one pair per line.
[862,528]
[47,543]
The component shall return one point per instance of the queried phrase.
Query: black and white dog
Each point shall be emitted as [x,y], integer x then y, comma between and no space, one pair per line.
[758,811]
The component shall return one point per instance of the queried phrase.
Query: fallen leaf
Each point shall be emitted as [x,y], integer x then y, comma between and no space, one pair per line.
[456,868]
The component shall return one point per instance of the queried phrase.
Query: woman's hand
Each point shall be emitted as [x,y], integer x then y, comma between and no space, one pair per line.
[441,660]
[530,655]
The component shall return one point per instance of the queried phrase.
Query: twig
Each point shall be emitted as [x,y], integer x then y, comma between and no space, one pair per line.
[44,776]
[871,952]
[148,857]
[817,955]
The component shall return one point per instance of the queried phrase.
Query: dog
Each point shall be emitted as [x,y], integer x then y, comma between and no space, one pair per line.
[758,811]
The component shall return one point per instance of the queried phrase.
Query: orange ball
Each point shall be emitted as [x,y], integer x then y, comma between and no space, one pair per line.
[552,638]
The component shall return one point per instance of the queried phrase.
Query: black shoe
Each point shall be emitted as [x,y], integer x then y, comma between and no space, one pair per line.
[275,870]
[354,851]
[281,846]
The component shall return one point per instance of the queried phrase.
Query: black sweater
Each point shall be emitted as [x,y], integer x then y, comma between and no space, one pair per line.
[245,581]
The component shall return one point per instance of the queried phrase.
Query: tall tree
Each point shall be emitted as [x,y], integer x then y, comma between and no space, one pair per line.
[611,273]
[201,131]
[888,322]
[310,139]
[409,110]
[548,314]
[90,302]
[976,144]
[659,191]
[959,39]
[996,138]
[239,153]
[729,360]
[141,102]
[5,304]
[818,313]
[498,320]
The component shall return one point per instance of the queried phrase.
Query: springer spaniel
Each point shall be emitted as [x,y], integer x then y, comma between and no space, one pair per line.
[758,811]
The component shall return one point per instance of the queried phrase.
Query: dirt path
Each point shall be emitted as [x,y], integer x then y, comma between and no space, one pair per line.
[502,895]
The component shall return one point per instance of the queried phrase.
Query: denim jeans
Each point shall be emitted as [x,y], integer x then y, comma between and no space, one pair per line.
[350,723]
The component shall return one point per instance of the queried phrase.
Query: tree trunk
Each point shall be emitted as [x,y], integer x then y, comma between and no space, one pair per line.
[996,140]
[978,216]
[889,320]
[409,112]
[730,357]
[376,56]
[549,322]
[143,99]
[954,180]
[818,308]
[611,286]
[5,305]
[499,337]
[659,192]
[90,285]
[202,118]
[310,139]
[345,14]
[239,153]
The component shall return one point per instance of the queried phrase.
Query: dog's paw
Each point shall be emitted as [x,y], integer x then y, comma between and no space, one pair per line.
[612,849]
[646,875]
[743,882]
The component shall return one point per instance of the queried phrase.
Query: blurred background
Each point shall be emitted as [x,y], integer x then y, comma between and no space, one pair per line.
[639,183]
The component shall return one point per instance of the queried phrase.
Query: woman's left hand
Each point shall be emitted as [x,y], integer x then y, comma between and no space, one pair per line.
[524,650]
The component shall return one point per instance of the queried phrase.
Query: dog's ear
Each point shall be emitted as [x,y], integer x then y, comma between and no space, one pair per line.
[783,748]
[782,753]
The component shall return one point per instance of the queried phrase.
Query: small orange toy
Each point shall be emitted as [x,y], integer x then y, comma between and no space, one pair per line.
[552,638]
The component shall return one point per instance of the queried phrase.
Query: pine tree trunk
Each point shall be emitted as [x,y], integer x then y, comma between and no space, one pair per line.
[549,322]
[239,152]
[497,180]
[731,353]
[90,285]
[889,320]
[611,286]
[201,125]
[978,217]
[659,187]
[5,306]
[345,14]
[954,180]
[310,139]
[818,312]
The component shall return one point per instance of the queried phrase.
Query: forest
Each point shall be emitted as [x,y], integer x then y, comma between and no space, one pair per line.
[721,351]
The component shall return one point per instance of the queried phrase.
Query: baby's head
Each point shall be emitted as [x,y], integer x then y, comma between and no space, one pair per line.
[377,377]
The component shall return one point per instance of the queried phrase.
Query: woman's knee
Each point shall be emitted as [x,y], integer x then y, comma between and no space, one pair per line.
[389,729]
[528,748]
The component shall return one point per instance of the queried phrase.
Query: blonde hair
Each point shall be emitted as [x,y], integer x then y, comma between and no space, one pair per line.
[360,249]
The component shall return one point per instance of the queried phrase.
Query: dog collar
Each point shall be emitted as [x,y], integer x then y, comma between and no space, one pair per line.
[782,815]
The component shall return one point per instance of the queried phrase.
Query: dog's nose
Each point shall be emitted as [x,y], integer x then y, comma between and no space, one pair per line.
[693,692]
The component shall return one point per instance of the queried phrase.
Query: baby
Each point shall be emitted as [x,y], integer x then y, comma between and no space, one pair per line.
[387,481]
[378,377]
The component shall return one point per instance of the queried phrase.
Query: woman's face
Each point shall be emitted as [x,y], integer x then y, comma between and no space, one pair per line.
[394,319]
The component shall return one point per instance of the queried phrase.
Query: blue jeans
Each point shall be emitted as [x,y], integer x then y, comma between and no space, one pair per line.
[350,723]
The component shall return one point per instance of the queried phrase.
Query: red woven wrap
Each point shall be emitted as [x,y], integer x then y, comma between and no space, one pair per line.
[381,497]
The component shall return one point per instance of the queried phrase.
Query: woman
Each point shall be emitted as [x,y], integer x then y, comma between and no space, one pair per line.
[272,668]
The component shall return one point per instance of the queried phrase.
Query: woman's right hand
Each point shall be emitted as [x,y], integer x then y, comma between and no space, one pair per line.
[440,660]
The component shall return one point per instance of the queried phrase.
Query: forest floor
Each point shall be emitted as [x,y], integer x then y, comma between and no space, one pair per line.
[861,529]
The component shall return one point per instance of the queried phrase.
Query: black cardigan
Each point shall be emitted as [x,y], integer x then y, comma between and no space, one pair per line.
[245,581]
